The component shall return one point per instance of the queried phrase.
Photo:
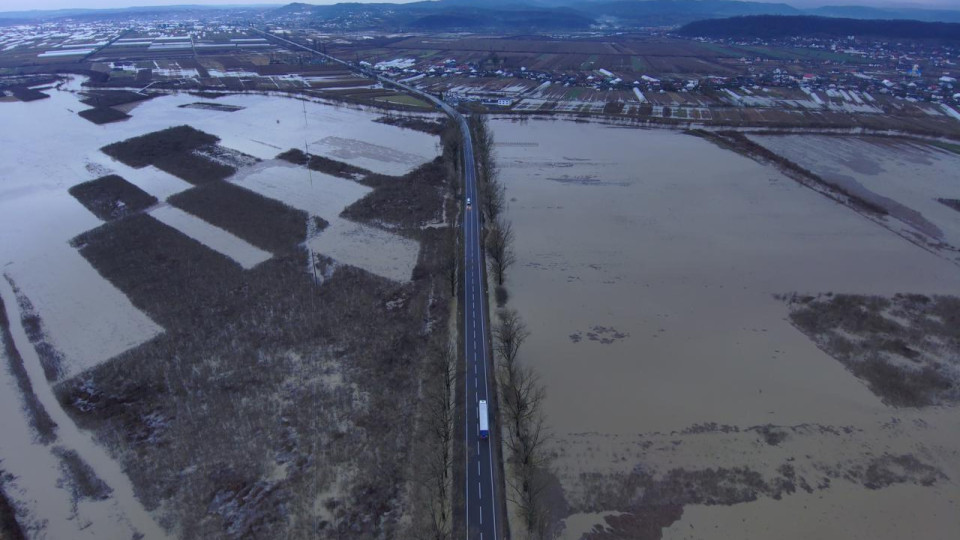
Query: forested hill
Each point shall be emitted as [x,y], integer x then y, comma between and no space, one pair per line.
[778,26]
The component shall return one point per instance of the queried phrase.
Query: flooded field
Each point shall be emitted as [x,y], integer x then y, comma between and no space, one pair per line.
[84,320]
[326,196]
[219,240]
[647,268]
[906,178]
[39,217]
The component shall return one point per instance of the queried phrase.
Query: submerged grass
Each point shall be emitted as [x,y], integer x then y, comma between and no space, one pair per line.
[905,347]
[84,482]
[37,416]
[10,528]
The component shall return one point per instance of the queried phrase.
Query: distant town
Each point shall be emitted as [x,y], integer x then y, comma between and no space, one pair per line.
[654,75]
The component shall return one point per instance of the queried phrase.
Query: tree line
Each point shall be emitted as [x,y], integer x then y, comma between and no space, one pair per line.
[521,393]
[492,200]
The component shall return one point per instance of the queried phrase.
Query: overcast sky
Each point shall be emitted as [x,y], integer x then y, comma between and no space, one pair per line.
[18,5]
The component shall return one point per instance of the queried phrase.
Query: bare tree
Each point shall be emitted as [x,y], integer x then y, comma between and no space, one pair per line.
[509,334]
[500,248]
[525,435]
[453,254]
[438,451]
[493,197]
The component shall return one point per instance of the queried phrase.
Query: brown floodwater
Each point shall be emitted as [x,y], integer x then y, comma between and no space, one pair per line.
[647,267]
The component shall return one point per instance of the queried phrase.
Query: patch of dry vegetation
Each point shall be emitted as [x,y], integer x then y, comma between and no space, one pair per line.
[905,347]
[324,164]
[263,222]
[144,150]
[222,107]
[273,406]
[652,477]
[267,398]
[111,197]
[28,94]
[37,416]
[112,98]
[103,115]
[50,358]
[408,202]
[426,125]
[194,168]
[653,501]
[952,203]
[173,150]
[9,527]
[82,480]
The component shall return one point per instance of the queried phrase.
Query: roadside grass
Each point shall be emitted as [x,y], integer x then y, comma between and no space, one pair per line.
[266,223]
[111,197]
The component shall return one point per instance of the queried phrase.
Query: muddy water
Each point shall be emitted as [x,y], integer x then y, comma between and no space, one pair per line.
[647,264]
[119,513]
[885,171]
[52,149]
[48,509]
[374,250]
[213,237]
[88,320]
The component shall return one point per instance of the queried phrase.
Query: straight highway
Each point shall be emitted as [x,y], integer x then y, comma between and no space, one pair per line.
[480,497]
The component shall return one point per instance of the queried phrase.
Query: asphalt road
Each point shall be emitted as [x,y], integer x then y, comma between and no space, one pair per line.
[480,505]
[480,500]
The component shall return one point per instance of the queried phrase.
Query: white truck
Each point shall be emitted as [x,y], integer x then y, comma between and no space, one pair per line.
[484,422]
